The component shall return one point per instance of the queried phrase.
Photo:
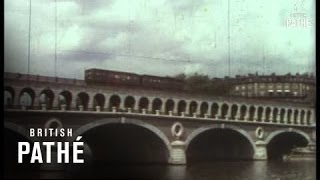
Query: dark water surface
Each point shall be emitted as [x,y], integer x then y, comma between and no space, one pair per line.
[236,170]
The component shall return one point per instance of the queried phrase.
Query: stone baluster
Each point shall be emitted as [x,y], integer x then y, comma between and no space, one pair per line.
[187,111]
[80,107]
[73,104]
[312,118]
[285,116]
[63,107]
[157,112]
[175,107]
[90,102]
[247,115]
[55,103]
[278,116]
[209,110]
[198,109]
[36,101]
[305,119]
[150,105]
[302,118]
[98,108]
[136,106]
[271,115]
[298,117]
[219,113]
[255,114]
[163,106]
[106,103]
[16,99]
[263,114]
[44,107]
[114,109]
[122,105]
[229,113]
[238,114]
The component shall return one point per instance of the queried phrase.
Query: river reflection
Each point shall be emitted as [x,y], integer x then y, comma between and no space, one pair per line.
[224,170]
[256,170]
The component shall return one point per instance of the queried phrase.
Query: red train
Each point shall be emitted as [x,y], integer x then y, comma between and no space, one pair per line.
[116,78]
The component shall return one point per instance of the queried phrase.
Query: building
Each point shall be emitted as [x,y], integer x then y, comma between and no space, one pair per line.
[274,86]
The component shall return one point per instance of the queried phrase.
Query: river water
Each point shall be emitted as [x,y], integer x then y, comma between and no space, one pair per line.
[224,170]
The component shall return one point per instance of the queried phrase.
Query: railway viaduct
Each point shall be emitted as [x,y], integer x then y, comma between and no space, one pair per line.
[119,124]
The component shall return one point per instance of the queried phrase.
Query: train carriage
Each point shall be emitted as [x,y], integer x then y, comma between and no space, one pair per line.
[111,77]
[116,78]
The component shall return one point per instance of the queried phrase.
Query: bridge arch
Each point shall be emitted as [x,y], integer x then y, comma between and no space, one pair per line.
[47,97]
[9,96]
[224,110]
[214,110]
[156,104]
[114,101]
[252,110]
[127,121]
[143,103]
[260,112]
[276,133]
[27,96]
[243,111]
[192,141]
[282,141]
[182,107]
[99,100]
[204,108]
[83,100]
[234,110]
[65,97]
[217,126]
[169,106]
[192,107]
[129,102]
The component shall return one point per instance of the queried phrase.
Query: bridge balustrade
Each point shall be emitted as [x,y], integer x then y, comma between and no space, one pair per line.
[82,99]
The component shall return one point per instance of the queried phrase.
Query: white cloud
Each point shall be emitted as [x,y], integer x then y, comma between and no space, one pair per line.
[127,32]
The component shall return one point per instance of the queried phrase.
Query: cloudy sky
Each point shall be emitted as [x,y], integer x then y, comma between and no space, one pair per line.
[160,37]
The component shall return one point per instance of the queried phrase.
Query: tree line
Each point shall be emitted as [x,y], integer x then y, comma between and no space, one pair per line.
[200,83]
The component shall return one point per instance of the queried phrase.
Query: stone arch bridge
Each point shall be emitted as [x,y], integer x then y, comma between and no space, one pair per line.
[119,124]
